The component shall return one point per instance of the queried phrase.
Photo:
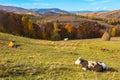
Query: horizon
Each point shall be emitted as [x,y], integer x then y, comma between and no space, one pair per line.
[91,5]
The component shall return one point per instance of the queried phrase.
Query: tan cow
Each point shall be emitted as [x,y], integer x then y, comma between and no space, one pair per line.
[12,44]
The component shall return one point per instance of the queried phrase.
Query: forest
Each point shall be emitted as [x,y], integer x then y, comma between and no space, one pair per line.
[22,25]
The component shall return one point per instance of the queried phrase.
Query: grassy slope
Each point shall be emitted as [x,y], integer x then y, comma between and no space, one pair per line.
[48,60]
[71,18]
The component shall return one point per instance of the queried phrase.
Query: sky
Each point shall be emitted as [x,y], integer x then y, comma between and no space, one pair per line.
[69,5]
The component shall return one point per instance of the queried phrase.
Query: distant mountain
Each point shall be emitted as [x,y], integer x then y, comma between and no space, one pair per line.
[37,12]
[81,11]
[32,11]
[49,11]
[13,9]
[18,10]
[102,11]
[86,11]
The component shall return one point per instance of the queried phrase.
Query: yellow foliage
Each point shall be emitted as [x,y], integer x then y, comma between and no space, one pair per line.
[113,32]
[31,29]
[55,27]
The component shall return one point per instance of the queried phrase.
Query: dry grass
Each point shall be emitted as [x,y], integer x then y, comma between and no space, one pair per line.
[52,60]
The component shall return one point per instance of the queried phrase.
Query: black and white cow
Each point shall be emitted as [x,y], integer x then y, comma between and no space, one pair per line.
[91,65]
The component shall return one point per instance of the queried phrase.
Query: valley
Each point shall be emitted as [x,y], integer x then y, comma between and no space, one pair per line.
[49,40]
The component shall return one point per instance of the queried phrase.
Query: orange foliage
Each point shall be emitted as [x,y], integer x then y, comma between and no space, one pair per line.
[68,27]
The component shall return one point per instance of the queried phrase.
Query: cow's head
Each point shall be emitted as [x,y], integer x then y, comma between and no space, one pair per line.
[79,61]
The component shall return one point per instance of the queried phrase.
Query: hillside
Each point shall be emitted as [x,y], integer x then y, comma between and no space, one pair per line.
[73,19]
[18,10]
[44,60]
[44,28]
[111,14]
[19,25]
[13,9]
[10,21]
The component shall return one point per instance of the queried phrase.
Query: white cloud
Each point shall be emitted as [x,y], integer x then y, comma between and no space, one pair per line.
[82,9]
[101,8]
[97,8]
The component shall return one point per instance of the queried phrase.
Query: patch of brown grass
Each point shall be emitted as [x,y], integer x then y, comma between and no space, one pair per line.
[16,70]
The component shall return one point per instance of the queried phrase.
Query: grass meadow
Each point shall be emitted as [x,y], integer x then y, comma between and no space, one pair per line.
[54,60]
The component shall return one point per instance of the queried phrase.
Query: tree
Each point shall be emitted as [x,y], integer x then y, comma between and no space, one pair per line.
[55,35]
[31,29]
[68,27]
[113,31]
[55,27]
[2,28]
[25,21]
[89,30]
[44,35]
[47,29]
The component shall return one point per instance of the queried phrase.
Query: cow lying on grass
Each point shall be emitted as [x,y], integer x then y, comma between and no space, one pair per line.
[91,65]
[12,44]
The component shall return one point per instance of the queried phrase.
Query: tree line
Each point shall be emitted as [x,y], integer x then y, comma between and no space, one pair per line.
[22,26]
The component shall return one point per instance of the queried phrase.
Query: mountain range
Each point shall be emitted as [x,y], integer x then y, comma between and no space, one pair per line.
[87,11]
[99,13]
[49,11]
[40,11]
[44,11]
[13,9]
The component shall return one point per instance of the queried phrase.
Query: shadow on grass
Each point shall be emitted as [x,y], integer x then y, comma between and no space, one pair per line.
[18,45]
[112,69]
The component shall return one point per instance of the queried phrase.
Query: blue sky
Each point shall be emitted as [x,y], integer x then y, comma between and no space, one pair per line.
[70,5]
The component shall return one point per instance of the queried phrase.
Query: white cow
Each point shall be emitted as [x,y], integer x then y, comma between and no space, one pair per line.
[91,65]
[65,39]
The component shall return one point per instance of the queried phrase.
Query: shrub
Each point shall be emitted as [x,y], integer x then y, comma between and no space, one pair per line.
[55,36]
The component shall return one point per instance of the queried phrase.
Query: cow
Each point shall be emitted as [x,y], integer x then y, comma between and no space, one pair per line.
[91,65]
[65,39]
[12,44]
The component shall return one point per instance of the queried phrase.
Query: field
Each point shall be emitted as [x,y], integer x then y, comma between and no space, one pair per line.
[54,60]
